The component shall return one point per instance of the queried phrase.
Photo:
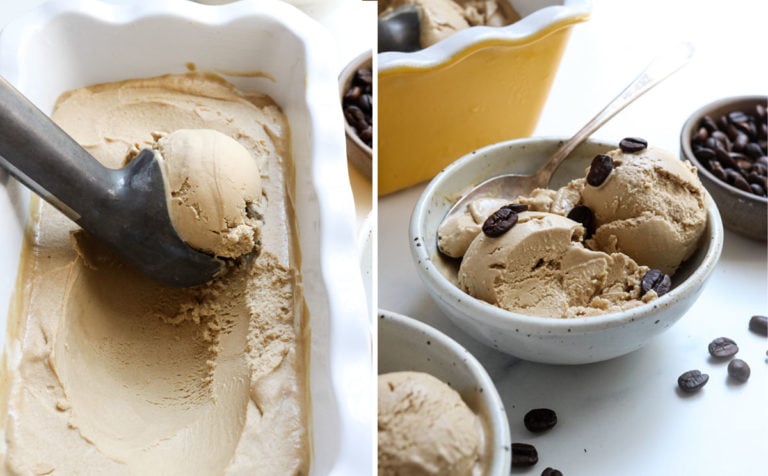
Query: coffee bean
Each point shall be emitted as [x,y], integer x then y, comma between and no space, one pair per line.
[366,135]
[739,370]
[655,280]
[353,93]
[551,472]
[761,110]
[740,182]
[724,157]
[524,455]
[364,76]
[540,419]
[753,150]
[517,207]
[717,170]
[704,153]
[701,135]
[740,142]
[583,214]
[722,139]
[633,144]
[365,103]
[736,117]
[599,170]
[356,117]
[709,123]
[759,325]
[692,381]
[500,222]
[723,347]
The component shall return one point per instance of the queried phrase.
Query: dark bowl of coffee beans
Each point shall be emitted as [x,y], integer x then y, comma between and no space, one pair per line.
[726,141]
[356,88]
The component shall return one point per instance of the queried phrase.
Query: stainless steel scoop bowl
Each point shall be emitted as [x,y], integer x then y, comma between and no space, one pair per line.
[124,208]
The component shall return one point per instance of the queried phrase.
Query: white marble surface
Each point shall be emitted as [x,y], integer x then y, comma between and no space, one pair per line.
[626,416]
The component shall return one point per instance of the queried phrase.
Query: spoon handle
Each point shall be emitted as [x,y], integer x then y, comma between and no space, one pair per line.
[46,159]
[660,68]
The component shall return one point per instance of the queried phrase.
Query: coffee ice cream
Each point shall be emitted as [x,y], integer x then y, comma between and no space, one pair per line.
[586,247]
[213,190]
[651,207]
[440,19]
[425,428]
[109,372]
[540,267]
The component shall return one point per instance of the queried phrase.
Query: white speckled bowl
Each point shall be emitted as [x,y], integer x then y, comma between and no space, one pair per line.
[540,339]
[406,344]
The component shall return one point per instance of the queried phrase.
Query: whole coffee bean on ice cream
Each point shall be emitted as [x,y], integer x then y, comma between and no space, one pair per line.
[599,170]
[633,144]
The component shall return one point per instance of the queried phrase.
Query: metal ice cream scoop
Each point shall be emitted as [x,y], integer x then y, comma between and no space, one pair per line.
[400,29]
[124,208]
[511,186]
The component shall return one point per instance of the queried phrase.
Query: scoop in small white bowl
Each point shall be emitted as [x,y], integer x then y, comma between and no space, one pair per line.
[406,344]
[540,339]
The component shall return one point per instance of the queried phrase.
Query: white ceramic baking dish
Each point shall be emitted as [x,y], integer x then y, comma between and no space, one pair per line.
[68,44]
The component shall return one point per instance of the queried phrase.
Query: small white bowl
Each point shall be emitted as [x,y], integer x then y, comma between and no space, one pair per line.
[543,339]
[406,344]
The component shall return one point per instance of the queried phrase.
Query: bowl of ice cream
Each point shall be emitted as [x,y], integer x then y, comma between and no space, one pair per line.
[439,411]
[492,58]
[726,140]
[590,270]
[356,89]
[238,375]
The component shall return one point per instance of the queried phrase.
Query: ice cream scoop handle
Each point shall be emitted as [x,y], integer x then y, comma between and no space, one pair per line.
[46,159]
[660,68]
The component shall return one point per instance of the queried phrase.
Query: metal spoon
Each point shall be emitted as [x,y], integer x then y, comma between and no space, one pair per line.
[125,208]
[513,185]
[400,29]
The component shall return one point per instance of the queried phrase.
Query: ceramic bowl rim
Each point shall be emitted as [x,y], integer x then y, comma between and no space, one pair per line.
[499,423]
[536,23]
[488,314]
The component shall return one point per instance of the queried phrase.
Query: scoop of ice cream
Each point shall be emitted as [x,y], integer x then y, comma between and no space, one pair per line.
[540,267]
[456,232]
[560,201]
[212,185]
[425,428]
[651,207]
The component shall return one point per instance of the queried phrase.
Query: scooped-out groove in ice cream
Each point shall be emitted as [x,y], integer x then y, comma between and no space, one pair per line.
[113,374]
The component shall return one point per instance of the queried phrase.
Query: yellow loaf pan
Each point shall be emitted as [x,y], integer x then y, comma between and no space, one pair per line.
[479,86]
